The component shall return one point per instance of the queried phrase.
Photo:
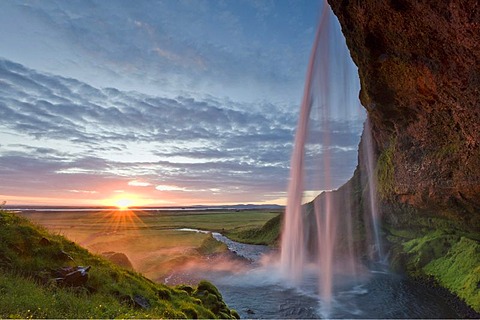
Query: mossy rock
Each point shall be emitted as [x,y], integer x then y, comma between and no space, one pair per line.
[188,289]
[459,271]
[209,287]
[212,299]
[429,248]
[451,258]
[235,314]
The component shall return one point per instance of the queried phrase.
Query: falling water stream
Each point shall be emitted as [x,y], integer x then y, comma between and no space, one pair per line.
[317,272]
[327,98]
[377,254]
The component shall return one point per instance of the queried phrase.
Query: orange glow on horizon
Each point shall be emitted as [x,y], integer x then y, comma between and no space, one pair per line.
[123,203]
[123,200]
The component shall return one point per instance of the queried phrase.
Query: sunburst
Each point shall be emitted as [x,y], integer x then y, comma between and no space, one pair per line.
[124,203]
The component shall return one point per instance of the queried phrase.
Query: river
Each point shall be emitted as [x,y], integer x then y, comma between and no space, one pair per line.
[260,292]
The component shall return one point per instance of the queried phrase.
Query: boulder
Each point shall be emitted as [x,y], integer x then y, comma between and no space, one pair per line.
[72,276]
[141,302]
[118,258]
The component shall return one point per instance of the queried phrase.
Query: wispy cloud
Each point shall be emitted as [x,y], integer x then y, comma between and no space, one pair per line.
[59,135]
[136,183]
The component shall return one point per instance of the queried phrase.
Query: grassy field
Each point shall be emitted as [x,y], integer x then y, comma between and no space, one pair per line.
[151,240]
[31,257]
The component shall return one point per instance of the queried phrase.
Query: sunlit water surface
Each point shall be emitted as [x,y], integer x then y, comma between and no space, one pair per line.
[259,291]
[382,296]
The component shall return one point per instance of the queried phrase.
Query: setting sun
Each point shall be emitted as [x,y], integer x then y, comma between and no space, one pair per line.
[123,203]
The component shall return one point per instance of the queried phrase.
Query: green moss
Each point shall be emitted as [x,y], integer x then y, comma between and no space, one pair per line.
[208,287]
[212,299]
[235,314]
[385,172]
[448,150]
[164,293]
[428,248]
[186,288]
[190,312]
[450,256]
[459,271]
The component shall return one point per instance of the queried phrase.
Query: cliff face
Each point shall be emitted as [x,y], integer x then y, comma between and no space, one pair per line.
[419,66]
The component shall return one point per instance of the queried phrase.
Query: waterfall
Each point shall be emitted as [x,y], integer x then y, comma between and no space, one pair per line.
[321,232]
[377,253]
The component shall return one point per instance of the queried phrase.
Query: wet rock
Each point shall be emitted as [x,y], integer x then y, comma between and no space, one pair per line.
[419,68]
[72,276]
[118,258]
[250,311]
[141,302]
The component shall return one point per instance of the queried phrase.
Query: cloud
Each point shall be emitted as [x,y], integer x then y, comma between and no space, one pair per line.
[247,50]
[136,183]
[170,188]
[83,191]
[64,136]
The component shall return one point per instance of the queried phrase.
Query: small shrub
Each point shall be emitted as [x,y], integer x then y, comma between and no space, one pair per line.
[209,287]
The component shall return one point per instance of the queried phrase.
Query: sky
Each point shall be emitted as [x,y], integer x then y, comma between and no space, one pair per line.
[162,103]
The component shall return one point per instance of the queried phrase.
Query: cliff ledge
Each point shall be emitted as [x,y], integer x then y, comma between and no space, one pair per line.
[419,68]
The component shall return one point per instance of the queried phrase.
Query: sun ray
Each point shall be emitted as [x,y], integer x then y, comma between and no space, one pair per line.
[121,217]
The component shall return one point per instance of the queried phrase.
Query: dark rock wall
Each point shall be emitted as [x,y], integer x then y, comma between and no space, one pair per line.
[419,67]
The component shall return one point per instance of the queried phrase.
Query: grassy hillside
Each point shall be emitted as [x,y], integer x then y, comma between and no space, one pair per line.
[151,240]
[268,234]
[30,258]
